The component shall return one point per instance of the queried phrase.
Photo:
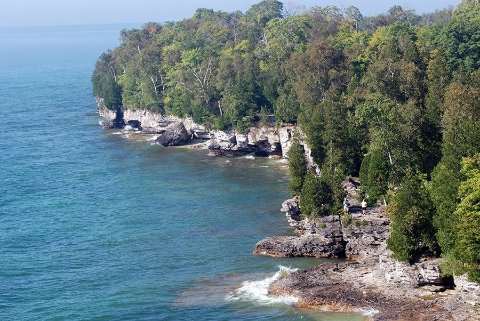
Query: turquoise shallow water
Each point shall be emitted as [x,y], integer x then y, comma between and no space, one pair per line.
[95,227]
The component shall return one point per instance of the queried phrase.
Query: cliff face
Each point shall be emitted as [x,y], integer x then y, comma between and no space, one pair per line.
[261,140]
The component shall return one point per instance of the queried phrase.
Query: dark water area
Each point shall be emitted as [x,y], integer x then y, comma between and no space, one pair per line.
[96,227]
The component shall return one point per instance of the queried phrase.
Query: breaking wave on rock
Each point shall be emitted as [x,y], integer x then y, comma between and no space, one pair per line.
[257,291]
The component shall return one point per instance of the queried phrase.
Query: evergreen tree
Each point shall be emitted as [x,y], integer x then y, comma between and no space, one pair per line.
[411,232]
[374,174]
[461,138]
[316,197]
[297,167]
[466,249]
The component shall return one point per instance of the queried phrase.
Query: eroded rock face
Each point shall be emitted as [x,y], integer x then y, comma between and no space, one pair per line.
[426,273]
[261,141]
[321,240]
[469,291]
[112,119]
[291,208]
[308,245]
[365,239]
[265,140]
[174,135]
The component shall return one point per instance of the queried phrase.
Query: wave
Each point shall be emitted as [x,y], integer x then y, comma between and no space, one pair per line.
[151,139]
[369,311]
[257,291]
[249,157]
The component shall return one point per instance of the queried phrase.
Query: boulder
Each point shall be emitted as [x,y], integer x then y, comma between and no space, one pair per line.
[135,124]
[175,134]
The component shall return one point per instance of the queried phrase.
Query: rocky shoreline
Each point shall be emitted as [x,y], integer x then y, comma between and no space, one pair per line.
[265,140]
[369,281]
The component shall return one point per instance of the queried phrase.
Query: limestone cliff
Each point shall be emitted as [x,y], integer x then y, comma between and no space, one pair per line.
[261,140]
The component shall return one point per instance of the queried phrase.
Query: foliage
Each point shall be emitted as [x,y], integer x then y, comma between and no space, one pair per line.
[411,232]
[297,167]
[374,174]
[461,138]
[316,197]
[382,96]
[466,250]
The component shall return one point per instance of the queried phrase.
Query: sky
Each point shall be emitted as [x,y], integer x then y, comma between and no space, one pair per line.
[15,13]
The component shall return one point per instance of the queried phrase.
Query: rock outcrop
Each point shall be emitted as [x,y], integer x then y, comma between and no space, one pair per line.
[174,135]
[307,245]
[261,140]
[371,280]
[291,208]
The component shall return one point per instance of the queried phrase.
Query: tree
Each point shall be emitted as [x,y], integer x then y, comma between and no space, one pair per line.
[375,174]
[261,13]
[459,39]
[467,247]
[411,232]
[316,197]
[461,138]
[297,167]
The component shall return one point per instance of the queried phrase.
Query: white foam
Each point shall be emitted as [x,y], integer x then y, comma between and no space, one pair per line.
[369,311]
[153,138]
[249,157]
[257,291]
[117,133]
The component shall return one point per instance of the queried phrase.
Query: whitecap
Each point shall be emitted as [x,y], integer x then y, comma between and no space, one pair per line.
[249,157]
[369,311]
[257,291]
[153,138]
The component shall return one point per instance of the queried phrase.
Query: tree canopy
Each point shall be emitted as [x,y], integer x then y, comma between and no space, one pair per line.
[381,97]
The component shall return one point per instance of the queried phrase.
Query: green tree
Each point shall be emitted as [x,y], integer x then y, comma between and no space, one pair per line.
[297,167]
[316,197]
[375,173]
[412,233]
[459,39]
[467,247]
[461,138]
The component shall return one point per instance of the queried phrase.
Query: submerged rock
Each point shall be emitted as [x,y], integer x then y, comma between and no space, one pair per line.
[175,134]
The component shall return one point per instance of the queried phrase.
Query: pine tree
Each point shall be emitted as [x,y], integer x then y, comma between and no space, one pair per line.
[467,247]
[411,232]
[316,198]
[297,167]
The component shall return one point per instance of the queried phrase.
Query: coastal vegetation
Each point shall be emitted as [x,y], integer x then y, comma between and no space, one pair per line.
[393,98]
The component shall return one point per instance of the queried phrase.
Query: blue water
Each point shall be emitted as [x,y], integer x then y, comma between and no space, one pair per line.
[96,227]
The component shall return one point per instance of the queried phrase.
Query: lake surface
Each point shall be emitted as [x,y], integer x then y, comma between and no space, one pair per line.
[96,227]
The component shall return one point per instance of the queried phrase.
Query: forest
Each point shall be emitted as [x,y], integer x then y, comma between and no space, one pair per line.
[392,98]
